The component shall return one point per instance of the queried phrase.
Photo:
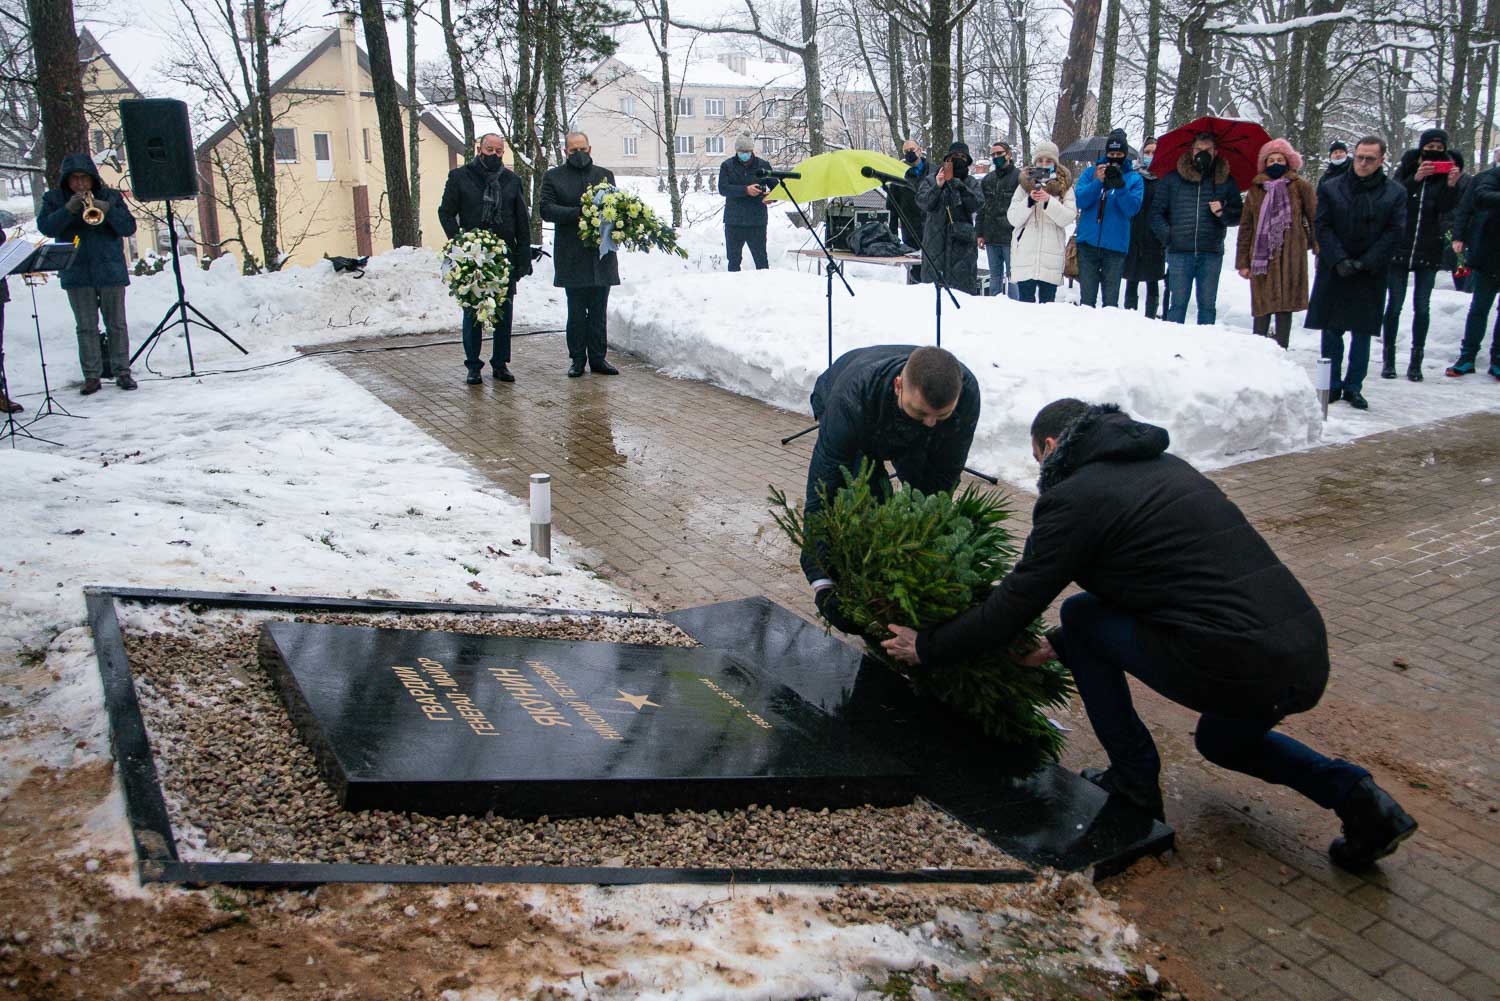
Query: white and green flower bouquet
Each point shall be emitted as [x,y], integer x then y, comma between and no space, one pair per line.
[476,269]
[613,218]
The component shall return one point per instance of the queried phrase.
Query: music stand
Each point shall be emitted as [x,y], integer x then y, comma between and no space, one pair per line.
[179,311]
[33,267]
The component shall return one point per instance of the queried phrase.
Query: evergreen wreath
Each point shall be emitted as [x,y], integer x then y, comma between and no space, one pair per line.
[476,269]
[918,560]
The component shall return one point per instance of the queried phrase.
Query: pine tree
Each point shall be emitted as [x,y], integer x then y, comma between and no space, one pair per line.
[918,560]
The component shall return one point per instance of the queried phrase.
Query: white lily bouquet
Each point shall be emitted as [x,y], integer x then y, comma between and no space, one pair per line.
[613,218]
[476,269]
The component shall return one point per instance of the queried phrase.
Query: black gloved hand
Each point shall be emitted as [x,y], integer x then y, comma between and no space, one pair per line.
[1113,177]
[1346,267]
[75,204]
[828,607]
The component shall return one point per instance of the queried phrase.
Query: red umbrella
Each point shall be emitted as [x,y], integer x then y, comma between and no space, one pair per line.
[1239,143]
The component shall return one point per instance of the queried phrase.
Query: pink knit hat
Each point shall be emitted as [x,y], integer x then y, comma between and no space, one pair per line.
[1293,158]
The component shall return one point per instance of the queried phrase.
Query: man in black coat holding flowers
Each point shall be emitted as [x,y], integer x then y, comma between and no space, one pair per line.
[483,194]
[576,267]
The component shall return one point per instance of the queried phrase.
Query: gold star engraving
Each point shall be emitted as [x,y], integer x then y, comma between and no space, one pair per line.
[639,701]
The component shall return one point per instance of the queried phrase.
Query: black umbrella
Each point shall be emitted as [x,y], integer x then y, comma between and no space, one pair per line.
[1092,148]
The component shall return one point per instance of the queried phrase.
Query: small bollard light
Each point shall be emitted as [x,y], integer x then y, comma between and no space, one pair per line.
[541,515]
[1325,380]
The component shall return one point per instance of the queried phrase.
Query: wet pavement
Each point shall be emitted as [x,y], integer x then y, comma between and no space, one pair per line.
[1397,537]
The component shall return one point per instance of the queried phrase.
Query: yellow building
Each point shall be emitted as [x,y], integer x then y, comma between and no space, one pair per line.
[330,177]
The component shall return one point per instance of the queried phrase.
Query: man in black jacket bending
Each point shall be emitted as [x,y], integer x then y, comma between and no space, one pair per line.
[1180,591]
[917,407]
[483,194]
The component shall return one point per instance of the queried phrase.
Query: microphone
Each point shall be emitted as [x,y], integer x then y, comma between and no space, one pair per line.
[880,175]
[781,175]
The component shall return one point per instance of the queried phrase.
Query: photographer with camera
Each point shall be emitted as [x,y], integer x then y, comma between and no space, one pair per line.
[1041,211]
[744,192]
[1430,176]
[950,200]
[1108,197]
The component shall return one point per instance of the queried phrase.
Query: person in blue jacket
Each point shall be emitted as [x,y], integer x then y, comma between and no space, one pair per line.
[1194,207]
[95,281]
[1108,197]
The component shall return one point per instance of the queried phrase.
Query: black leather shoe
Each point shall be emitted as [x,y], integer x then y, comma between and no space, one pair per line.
[90,386]
[1144,797]
[1335,395]
[1356,400]
[1374,825]
[126,381]
[1388,370]
[575,370]
[502,372]
[603,368]
[472,379]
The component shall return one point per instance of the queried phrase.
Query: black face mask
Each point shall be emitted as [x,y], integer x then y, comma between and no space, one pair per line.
[910,156]
[580,160]
[1203,159]
[1276,171]
[1434,154]
[491,161]
[960,167]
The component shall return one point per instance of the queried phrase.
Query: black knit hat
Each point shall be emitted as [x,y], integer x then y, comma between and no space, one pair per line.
[1338,146]
[1117,143]
[963,148]
[1433,135]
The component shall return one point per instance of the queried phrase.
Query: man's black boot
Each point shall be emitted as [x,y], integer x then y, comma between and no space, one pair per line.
[502,372]
[1356,399]
[472,379]
[1388,356]
[575,369]
[1374,824]
[602,367]
[1144,796]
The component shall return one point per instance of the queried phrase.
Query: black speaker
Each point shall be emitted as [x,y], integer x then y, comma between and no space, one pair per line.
[159,148]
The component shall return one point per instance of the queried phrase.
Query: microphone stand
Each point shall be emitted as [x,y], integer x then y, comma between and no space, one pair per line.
[940,276]
[834,268]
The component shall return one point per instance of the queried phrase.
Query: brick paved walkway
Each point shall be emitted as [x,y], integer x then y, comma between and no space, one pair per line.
[1397,537]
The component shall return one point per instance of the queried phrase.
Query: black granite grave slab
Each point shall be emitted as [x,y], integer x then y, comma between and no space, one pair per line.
[1046,816]
[448,723]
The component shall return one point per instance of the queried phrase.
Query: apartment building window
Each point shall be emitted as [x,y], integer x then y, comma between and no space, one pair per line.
[286,145]
[627,105]
[768,107]
[713,107]
[713,144]
[872,112]
[742,105]
[769,147]
[632,146]
[98,140]
[684,144]
[323,155]
[365,138]
[685,107]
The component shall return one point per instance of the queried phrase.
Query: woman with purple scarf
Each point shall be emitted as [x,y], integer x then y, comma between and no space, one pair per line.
[1276,230]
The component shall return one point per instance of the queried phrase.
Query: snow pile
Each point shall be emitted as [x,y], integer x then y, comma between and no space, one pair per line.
[1223,397]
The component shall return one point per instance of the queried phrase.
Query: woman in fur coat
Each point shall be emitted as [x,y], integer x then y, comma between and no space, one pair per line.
[1276,231]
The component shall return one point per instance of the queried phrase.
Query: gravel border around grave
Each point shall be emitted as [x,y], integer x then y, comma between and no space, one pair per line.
[241,786]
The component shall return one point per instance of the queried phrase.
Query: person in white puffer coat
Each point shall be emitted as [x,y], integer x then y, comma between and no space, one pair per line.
[1041,211]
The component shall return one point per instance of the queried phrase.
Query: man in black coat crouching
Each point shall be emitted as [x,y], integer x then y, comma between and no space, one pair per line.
[1180,591]
[484,194]
[917,407]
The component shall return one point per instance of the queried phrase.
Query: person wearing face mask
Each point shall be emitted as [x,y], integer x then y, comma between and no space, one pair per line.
[1361,216]
[1108,197]
[1430,175]
[915,407]
[906,218]
[579,270]
[1193,209]
[1041,211]
[485,194]
[744,204]
[997,189]
[950,200]
[1338,161]
[1146,261]
[1182,592]
[1277,227]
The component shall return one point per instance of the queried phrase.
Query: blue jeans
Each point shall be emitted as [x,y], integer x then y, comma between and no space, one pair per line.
[1421,304]
[1102,644]
[474,337]
[1099,273]
[1485,289]
[1036,291]
[998,255]
[1359,360]
[1183,271]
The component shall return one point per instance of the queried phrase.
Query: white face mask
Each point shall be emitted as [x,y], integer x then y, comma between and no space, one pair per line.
[1336,160]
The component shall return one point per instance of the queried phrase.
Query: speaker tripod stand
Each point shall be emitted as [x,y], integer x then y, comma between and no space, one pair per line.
[181,312]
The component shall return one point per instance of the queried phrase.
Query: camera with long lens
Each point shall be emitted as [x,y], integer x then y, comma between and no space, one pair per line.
[1113,176]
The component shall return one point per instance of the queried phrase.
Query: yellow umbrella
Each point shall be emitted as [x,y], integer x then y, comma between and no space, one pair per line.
[837,175]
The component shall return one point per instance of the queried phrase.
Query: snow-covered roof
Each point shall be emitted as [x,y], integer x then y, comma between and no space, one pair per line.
[701,69]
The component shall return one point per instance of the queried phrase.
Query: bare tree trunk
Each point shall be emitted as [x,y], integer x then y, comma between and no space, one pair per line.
[940,75]
[812,77]
[1297,67]
[899,130]
[1192,41]
[1452,120]
[413,115]
[1107,60]
[388,112]
[1073,92]
[1489,113]
[1315,78]
[1400,96]
[958,80]
[264,175]
[1020,59]
[456,67]
[1153,64]
[59,81]
[668,110]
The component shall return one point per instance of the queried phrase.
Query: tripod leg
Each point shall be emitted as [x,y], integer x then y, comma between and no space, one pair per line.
[166,321]
[211,325]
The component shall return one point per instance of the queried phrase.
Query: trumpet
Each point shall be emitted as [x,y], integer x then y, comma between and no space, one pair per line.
[92,214]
